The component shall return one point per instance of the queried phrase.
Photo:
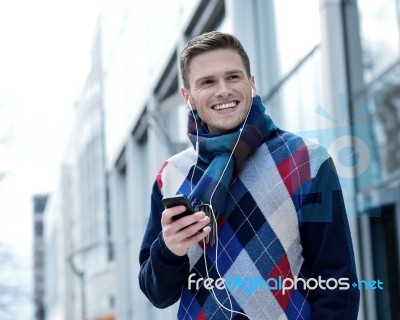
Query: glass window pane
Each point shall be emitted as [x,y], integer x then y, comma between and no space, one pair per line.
[383,100]
[293,107]
[379,28]
[298,30]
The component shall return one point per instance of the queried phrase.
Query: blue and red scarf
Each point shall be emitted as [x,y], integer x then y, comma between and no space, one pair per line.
[215,152]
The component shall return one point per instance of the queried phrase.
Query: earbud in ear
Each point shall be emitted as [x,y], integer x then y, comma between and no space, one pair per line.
[189,104]
[252,93]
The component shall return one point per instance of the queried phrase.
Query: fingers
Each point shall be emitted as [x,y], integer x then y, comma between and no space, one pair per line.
[185,227]
[191,229]
[179,235]
[168,214]
[181,247]
[197,236]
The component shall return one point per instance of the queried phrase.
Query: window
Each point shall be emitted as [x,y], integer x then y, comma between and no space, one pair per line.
[380,39]
[386,262]
[297,30]
[38,229]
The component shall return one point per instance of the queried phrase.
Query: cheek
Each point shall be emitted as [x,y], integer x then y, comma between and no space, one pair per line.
[198,93]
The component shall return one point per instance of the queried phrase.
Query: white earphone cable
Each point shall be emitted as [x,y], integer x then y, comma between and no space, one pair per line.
[212,210]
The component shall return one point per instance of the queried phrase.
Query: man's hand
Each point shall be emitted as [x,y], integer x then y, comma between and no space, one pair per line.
[179,235]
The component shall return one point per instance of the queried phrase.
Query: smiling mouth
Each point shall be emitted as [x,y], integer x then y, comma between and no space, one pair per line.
[224,106]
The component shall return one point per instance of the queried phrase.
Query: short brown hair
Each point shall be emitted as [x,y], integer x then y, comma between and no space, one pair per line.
[207,42]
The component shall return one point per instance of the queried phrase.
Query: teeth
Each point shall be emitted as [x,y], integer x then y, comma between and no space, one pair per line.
[225,106]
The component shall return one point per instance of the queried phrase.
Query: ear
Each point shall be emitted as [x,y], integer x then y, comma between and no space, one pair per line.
[253,84]
[186,96]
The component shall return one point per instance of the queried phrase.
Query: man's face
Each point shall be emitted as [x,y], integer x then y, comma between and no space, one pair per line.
[220,90]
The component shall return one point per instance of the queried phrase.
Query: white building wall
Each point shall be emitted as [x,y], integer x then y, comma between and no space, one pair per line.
[118,200]
[138,37]
[131,183]
[71,238]
[54,259]
[133,61]
[76,217]
[93,244]
[334,84]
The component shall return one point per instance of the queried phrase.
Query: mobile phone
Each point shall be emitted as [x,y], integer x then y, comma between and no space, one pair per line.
[178,200]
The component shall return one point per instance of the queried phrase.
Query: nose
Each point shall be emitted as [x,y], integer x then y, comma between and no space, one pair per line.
[223,89]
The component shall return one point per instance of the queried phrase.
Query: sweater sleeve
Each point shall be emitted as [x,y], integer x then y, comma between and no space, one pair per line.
[162,273]
[327,247]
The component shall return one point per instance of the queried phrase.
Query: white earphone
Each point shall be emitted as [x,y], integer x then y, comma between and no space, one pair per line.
[189,104]
[230,309]
[196,148]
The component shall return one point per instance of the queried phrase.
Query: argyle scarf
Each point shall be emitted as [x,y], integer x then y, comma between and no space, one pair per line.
[215,152]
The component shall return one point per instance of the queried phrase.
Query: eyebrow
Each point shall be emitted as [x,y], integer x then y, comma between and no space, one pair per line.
[226,74]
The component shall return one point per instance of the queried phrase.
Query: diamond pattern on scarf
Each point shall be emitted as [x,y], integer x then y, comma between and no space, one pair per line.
[258,233]
[224,154]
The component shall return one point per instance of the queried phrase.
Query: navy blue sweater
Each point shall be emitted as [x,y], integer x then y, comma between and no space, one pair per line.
[285,219]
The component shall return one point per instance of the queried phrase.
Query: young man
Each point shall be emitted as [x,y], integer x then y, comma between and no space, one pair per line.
[269,238]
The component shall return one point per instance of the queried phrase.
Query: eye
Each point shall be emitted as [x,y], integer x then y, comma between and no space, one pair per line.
[233,77]
[207,82]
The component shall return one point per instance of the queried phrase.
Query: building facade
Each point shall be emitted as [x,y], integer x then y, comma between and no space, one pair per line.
[54,257]
[80,258]
[95,249]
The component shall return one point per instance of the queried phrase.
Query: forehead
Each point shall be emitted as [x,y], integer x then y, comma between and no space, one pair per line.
[215,62]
